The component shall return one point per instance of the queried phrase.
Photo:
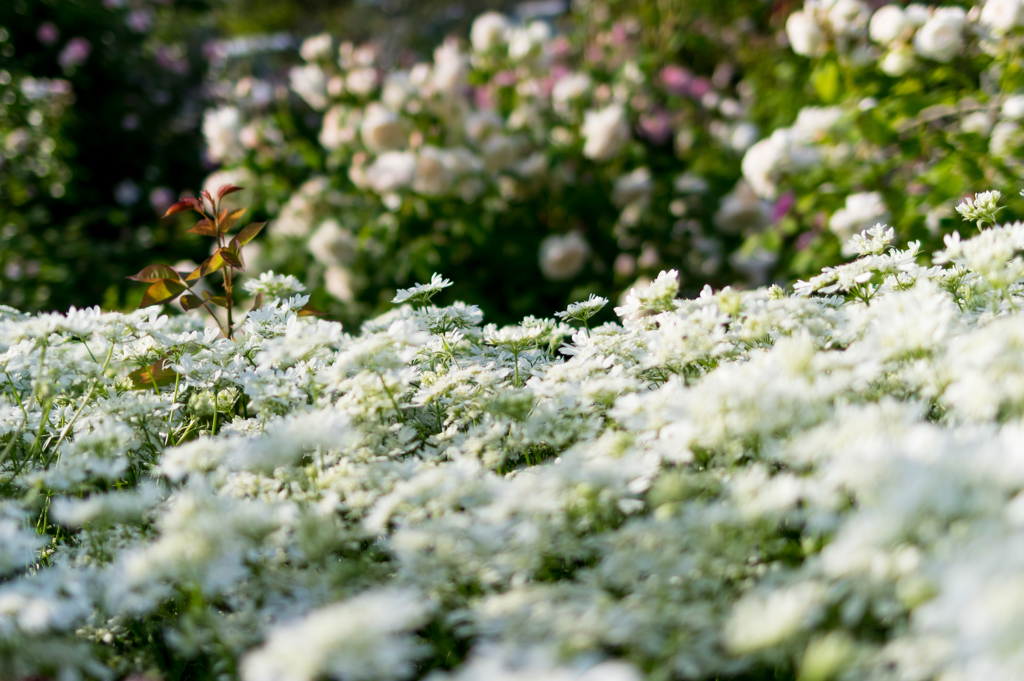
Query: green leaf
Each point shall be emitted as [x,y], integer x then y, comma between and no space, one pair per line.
[232,255]
[211,264]
[156,273]
[204,228]
[163,291]
[228,220]
[826,81]
[247,234]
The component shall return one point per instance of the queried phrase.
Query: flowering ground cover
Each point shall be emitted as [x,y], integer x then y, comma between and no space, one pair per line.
[747,485]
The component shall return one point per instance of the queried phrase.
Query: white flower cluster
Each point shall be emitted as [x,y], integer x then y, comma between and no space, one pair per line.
[707,488]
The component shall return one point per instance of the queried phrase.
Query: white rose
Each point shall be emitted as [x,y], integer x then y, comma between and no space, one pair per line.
[743,136]
[490,30]
[382,129]
[221,129]
[762,163]
[805,36]
[339,127]
[1002,16]
[942,36]
[338,282]
[634,186]
[525,41]
[391,171]
[332,244]
[433,177]
[317,47]
[398,89]
[501,151]
[562,257]
[741,210]
[606,131]
[977,122]
[310,83]
[451,69]
[917,14]
[862,211]
[848,17]
[897,61]
[362,82]
[887,24]
[1006,138]
[1013,107]
[569,89]
[479,125]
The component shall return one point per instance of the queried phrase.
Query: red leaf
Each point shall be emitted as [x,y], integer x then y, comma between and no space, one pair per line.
[227,189]
[156,273]
[183,205]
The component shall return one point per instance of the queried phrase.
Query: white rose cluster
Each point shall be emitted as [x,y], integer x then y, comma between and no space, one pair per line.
[830,476]
[440,137]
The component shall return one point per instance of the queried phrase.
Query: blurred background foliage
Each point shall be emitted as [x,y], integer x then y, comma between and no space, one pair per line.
[545,154]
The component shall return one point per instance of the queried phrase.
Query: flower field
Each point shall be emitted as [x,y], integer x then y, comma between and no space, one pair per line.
[626,341]
[824,484]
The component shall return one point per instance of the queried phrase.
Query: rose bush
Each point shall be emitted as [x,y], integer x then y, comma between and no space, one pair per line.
[544,158]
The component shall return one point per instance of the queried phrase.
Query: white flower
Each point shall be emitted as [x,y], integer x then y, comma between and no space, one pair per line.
[364,638]
[274,285]
[762,621]
[317,47]
[741,210]
[362,82]
[941,38]
[1002,16]
[862,210]
[634,186]
[848,17]
[805,35]
[422,293]
[382,129]
[569,89]
[339,127]
[221,129]
[434,176]
[897,61]
[1013,108]
[391,171]
[332,244]
[584,310]
[982,208]
[888,24]
[489,31]
[562,256]
[605,132]
[310,83]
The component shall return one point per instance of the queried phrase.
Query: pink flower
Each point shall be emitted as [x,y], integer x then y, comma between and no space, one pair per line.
[74,53]
[676,80]
[656,126]
[782,206]
[47,33]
